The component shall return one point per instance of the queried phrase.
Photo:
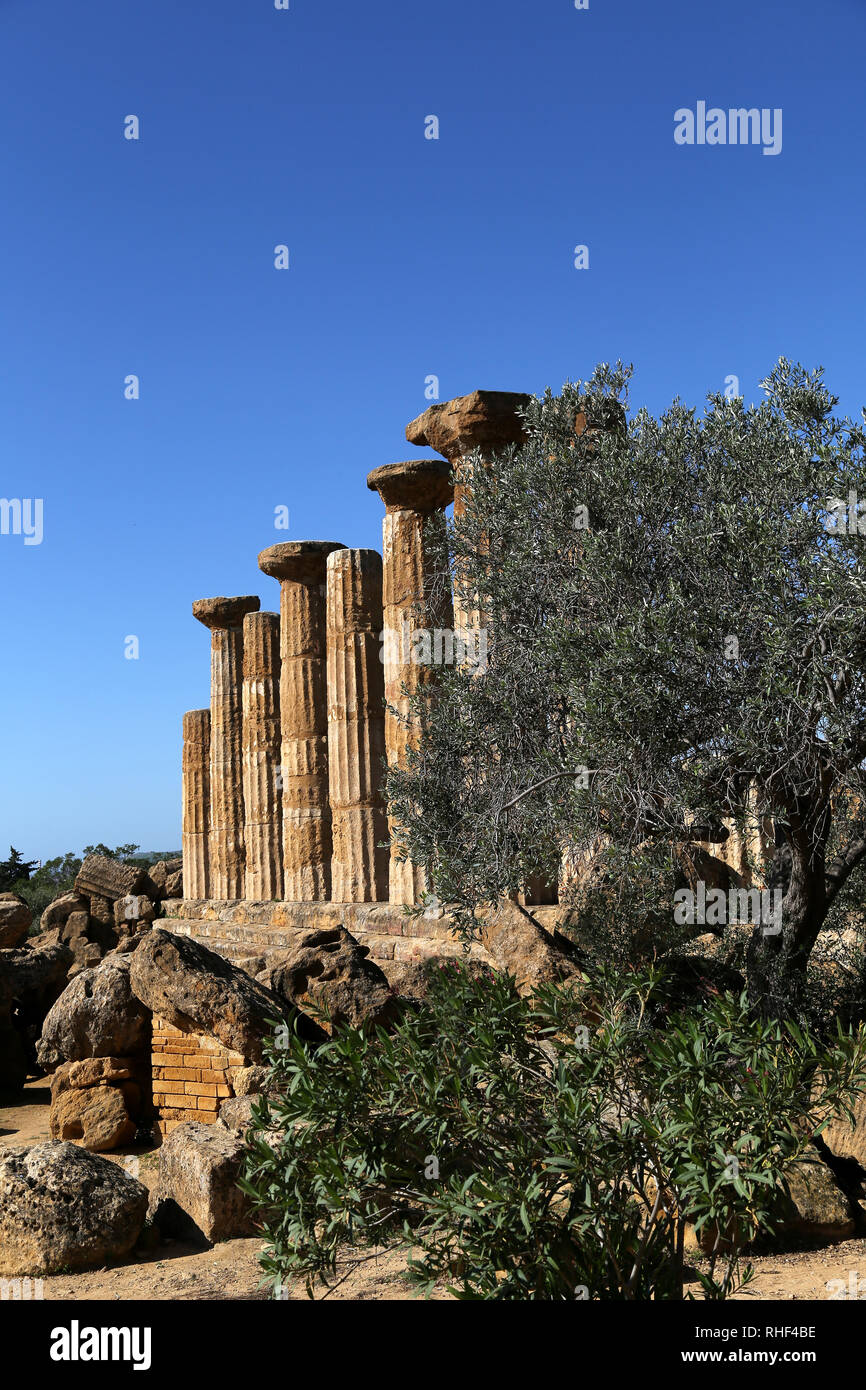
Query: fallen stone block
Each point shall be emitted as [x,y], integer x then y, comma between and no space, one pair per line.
[15,920]
[520,946]
[107,878]
[95,1117]
[196,1190]
[97,1015]
[326,968]
[198,991]
[63,1208]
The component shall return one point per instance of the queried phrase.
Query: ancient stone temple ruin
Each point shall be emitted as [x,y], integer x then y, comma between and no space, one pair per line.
[285,824]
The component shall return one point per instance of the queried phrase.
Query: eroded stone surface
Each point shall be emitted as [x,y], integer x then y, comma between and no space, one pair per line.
[196,804]
[485,420]
[327,969]
[63,1208]
[263,861]
[519,945]
[97,1015]
[356,726]
[104,880]
[306,815]
[198,991]
[96,1117]
[15,920]
[421,485]
[199,1166]
[217,613]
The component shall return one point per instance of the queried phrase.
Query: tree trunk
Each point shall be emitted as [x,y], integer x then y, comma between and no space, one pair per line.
[776,962]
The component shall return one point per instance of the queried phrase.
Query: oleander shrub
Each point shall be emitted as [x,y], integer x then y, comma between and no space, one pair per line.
[547,1148]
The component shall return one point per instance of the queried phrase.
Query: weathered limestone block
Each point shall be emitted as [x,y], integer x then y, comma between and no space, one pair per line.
[15,919]
[306,832]
[194,989]
[62,1208]
[133,913]
[356,726]
[415,495]
[96,1117]
[107,879]
[518,944]
[174,884]
[818,1207]
[484,420]
[196,804]
[224,617]
[57,913]
[326,968]
[199,1166]
[263,879]
[97,1015]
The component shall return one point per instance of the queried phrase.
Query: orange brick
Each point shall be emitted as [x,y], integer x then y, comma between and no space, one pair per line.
[176,1102]
[223,1090]
[196,1088]
[214,1076]
[207,1103]
[182,1073]
[171,1088]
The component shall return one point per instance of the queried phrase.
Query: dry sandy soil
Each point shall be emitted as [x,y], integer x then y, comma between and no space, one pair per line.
[231,1271]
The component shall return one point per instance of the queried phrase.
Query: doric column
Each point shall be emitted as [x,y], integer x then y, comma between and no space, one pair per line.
[196,803]
[414,495]
[356,727]
[300,568]
[263,834]
[484,420]
[224,617]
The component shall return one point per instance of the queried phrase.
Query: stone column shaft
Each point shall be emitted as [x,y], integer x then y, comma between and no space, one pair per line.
[224,617]
[263,873]
[356,727]
[414,495]
[306,831]
[484,420]
[196,803]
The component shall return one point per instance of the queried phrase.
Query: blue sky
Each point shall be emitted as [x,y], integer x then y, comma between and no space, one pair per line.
[409,257]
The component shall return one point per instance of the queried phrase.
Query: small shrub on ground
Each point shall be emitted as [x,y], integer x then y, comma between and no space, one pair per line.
[553,1148]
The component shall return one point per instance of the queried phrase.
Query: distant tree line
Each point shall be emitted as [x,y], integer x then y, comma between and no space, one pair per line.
[39,885]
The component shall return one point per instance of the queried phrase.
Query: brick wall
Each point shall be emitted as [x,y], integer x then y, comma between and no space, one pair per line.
[192,1076]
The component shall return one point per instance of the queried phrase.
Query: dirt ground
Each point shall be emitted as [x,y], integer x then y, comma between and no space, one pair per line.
[230,1270]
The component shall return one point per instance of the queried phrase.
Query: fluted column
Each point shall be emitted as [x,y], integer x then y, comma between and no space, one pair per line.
[414,495]
[356,727]
[300,568]
[263,834]
[196,802]
[485,420]
[224,617]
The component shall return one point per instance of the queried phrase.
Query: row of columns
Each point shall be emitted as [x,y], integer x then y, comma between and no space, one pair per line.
[283,779]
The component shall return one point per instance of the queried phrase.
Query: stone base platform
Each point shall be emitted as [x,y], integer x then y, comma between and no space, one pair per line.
[236,929]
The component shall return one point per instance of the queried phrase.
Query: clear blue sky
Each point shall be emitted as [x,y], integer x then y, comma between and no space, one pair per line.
[409,257]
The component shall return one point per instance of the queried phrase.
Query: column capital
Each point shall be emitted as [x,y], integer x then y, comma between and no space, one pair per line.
[218,613]
[421,485]
[303,561]
[485,420]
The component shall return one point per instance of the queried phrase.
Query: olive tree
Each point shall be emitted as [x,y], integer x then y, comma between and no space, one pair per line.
[675,619]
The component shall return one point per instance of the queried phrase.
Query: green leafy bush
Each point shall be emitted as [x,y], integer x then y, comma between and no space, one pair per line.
[550,1148]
